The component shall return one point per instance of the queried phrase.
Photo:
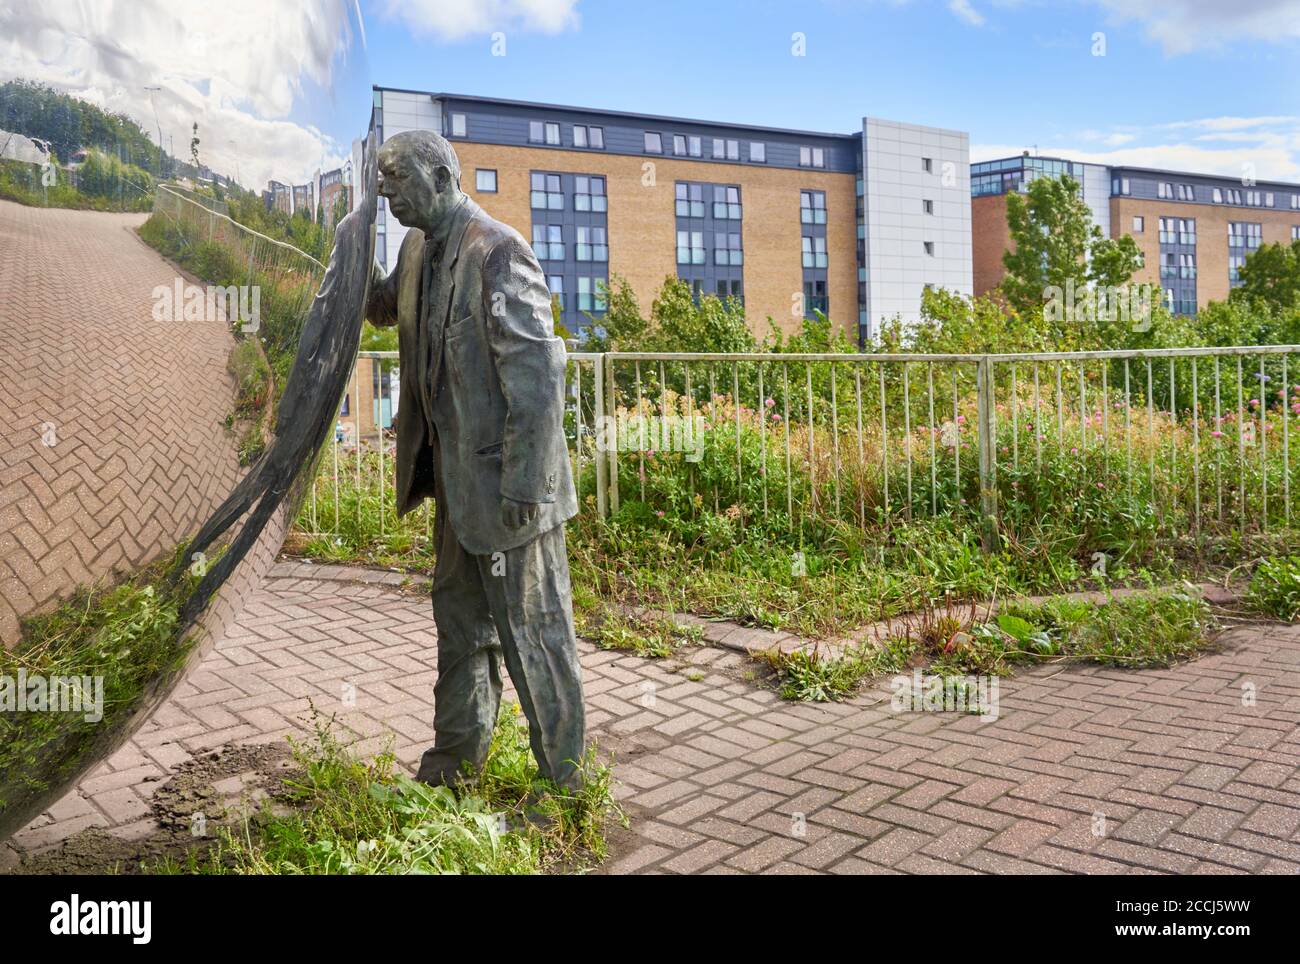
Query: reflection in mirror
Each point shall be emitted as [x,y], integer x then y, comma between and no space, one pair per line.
[185,241]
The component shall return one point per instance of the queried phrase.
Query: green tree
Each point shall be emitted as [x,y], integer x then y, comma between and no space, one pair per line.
[1270,277]
[1056,248]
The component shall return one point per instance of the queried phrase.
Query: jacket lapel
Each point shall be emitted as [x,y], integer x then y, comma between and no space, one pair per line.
[445,287]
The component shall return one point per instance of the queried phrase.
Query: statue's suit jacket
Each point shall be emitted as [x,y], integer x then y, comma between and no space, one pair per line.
[493,423]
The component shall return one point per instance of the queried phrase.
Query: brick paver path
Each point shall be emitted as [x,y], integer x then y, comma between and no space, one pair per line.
[131,408]
[1085,770]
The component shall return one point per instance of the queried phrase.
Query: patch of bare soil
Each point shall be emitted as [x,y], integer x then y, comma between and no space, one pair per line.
[221,788]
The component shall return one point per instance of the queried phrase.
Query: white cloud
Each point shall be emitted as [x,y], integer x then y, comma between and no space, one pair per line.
[1182,26]
[455,19]
[964,11]
[240,68]
[1217,145]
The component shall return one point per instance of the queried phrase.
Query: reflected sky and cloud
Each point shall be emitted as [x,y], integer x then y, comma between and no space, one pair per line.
[278,90]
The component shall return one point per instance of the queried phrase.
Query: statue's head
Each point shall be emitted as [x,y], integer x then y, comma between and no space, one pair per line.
[419,174]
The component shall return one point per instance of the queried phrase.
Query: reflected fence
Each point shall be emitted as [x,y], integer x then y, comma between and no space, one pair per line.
[226,252]
[1181,444]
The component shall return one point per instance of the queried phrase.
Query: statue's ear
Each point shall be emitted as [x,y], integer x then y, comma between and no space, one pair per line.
[442,178]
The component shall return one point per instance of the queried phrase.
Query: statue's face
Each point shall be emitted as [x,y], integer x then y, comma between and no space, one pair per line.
[419,196]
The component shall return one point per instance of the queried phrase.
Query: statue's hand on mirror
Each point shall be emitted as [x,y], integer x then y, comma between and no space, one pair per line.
[516,515]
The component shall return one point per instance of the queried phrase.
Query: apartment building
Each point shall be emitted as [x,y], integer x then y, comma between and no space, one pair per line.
[1194,230]
[787,221]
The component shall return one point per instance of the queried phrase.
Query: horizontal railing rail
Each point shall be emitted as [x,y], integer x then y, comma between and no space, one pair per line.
[1196,440]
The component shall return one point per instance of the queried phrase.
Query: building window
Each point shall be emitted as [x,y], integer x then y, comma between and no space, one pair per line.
[726,248]
[458,125]
[690,200]
[730,289]
[1295,202]
[1164,190]
[726,203]
[589,193]
[548,242]
[814,298]
[758,152]
[1218,196]
[812,157]
[591,297]
[553,134]
[1243,234]
[1235,263]
[1295,232]
[927,165]
[929,247]
[546,193]
[590,244]
[812,207]
[653,143]
[927,206]
[1139,224]
[485,180]
[679,145]
[1119,185]
[724,149]
[592,137]
[1186,192]
[556,283]
[814,252]
[690,247]
[536,132]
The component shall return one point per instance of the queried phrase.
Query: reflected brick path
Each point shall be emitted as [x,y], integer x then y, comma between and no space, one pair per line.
[132,407]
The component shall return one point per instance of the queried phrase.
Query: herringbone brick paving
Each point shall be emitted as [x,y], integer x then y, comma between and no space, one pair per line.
[1086,770]
[112,449]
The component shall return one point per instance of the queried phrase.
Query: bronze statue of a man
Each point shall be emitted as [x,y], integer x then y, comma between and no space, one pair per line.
[480,429]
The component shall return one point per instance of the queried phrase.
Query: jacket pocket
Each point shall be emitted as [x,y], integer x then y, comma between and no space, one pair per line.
[460,327]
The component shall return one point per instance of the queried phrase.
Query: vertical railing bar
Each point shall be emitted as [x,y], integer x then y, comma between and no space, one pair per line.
[956,425]
[735,404]
[862,455]
[835,436]
[606,430]
[379,435]
[611,409]
[812,454]
[1038,421]
[1217,435]
[641,440]
[1241,449]
[1151,442]
[1263,445]
[577,423]
[688,431]
[356,434]
[907,436]
[1173,448]
[1083,409]
[1128,429]
[1286,442]
[884,440]
[934,469]
[1060,409]
[1196,449]
[762,435]
[789,482]
[1015,422]
[713,428]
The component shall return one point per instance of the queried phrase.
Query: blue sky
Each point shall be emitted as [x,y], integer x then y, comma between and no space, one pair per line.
[1197,84]
[280,88]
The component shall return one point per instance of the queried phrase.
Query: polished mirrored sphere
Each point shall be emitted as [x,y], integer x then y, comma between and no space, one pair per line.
[172,199]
